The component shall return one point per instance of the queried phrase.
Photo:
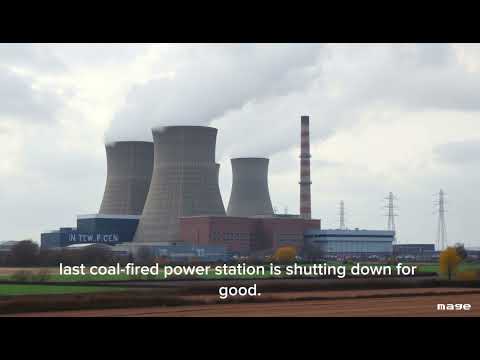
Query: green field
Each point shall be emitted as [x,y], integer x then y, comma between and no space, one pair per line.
[421,268]
[87,277]
[14,289]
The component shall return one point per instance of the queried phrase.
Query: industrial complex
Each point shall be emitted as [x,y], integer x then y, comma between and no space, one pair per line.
[165,196]
[351,242]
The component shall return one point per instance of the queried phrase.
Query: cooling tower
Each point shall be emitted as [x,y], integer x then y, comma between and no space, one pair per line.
[184,182]
[250,195]
[129,171]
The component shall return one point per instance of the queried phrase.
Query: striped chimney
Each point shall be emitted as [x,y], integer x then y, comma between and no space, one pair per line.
[305,198]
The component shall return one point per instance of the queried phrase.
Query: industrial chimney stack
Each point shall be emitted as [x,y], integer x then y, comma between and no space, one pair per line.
[305,198]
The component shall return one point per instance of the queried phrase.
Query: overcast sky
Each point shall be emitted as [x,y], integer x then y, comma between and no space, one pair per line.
[400,118]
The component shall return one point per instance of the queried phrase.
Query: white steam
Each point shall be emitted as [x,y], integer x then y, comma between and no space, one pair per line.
[211,80]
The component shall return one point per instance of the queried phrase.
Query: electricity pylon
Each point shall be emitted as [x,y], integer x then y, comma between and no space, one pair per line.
[391,214]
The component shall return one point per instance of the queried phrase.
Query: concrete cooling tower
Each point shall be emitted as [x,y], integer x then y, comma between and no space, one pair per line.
[129,171]
[250,195]
[184,182]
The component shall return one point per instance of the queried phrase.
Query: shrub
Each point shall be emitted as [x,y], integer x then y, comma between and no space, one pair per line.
[449,261]
[467,275]
[392,260]
[22,275]
[151,276]
[41,275]
[285,254]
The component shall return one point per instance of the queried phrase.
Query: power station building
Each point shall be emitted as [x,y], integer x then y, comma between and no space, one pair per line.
[184,182]
[353,243]
[129,171]
[165,196]
[243,236]
[417,251]
[97,228]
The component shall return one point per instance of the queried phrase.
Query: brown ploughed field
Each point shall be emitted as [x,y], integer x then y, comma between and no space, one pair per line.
[381,302]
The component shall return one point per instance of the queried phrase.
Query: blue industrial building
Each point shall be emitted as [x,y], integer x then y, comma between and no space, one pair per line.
[118,231]
[415,251]
[353,243]
[97,228]
[177,251]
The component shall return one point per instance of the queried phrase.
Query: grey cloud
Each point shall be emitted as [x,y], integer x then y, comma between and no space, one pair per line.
[274,125]
[215,80]
[421,55]
[35,204]
[417,77]
[435,54]
[19,100]
[53,181]
[459,152]
[412,77]
[31,56]
[56,163]
[97,54]
[322,163]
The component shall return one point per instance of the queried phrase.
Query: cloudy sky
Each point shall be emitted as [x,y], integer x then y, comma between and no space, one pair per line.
[384,117]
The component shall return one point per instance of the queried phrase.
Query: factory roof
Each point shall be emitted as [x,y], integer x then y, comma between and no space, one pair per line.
[7,245]
[107,216]
[350,232]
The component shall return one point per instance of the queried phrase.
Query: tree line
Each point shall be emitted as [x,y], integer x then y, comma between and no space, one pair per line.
[27,253]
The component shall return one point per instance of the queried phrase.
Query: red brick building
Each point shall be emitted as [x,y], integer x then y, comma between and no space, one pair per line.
[245,235]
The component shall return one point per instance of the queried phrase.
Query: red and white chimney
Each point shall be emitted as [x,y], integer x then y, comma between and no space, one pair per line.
[305,198]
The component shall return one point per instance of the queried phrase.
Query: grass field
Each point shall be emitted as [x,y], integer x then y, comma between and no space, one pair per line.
[87,277]
[463,267]
[14,289]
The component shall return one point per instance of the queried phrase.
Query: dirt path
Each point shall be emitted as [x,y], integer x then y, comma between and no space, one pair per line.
[342,294]
[392,306]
